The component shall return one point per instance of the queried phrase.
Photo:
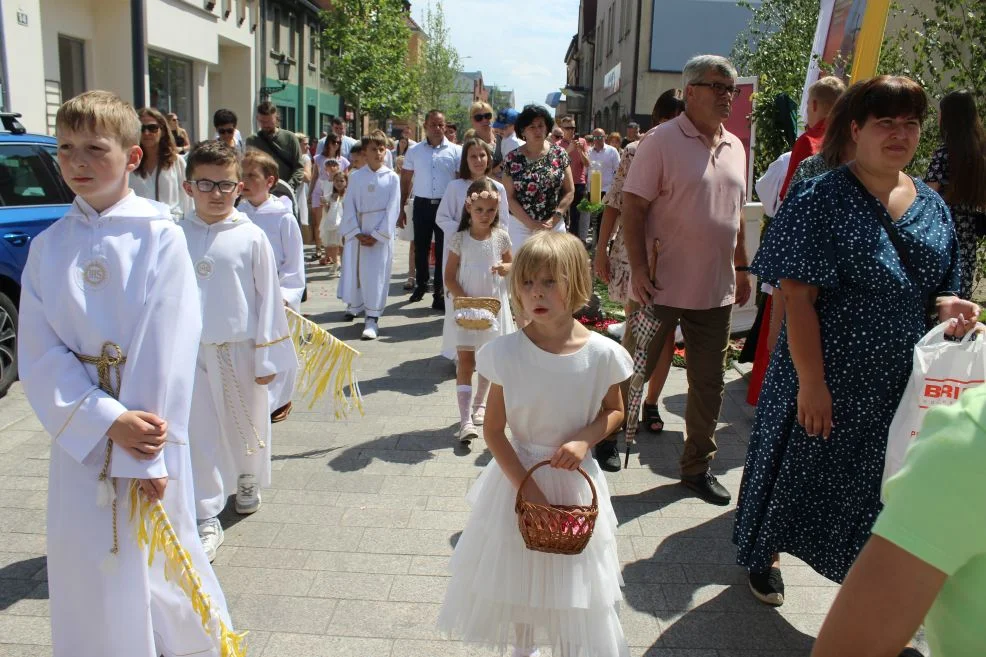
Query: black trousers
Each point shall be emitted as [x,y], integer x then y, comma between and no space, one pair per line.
[575,216]
[425,229]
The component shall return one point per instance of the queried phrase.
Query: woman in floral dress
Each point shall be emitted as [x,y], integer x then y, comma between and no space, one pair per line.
[538,179]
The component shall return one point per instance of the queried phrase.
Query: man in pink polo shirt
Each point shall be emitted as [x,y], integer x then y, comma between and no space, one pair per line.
[684,195]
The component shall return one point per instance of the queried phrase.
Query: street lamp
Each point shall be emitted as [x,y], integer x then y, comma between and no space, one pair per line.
[283,73]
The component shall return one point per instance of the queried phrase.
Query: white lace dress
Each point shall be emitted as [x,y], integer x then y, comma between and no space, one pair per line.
[476,261]
[500,590]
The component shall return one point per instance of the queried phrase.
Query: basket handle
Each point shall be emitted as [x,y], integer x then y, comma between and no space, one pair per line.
[541,464]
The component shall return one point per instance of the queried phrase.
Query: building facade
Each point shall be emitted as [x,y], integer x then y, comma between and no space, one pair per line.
[291,33]
[194,53]
[196,56]
[629,52]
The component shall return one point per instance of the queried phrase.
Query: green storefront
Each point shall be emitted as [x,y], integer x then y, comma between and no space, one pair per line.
[310,114]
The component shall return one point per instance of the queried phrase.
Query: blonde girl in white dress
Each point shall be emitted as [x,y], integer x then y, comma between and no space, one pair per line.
[477,264]
[557,385]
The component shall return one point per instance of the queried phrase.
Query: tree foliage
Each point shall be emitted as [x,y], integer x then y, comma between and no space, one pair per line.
[366,43]
[440,63]
[776,48]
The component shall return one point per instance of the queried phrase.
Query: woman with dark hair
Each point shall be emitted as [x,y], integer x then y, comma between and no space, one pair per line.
[860,253]
[537,177]
[837,149]
[613,266]
[161,173]
[958,172]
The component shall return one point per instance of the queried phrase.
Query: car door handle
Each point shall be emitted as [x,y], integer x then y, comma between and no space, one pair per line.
[17,238]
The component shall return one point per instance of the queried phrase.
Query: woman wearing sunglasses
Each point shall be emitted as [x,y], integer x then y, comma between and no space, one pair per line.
[161,172]
[481,115]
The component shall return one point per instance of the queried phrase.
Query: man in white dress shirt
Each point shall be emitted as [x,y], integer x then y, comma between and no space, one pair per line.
[429,167]
[347,142]
[607,157]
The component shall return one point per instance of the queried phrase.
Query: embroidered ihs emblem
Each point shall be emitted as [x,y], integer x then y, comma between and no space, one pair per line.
[204,268]
[94,273]
[371,188]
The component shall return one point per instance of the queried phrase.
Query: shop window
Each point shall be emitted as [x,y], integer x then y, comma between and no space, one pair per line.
[171,87]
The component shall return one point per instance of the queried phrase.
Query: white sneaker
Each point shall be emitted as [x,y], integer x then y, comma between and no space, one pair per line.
[617,330]
[247,494]
[370,330]
[479,415]
[467,432]
[211,535]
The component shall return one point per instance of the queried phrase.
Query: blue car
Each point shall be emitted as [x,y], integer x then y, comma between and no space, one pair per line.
[32,197]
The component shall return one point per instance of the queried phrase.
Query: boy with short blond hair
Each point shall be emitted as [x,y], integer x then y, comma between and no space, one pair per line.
[821,99]
[276,218]
[245,341]
[368,228]
[109,323]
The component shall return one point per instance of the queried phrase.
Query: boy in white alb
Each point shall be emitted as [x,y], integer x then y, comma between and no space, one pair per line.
[245,341]
[369,224]
[109,325]
[275,217]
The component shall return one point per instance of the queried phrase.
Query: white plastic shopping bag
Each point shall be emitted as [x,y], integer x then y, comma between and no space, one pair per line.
[943,370]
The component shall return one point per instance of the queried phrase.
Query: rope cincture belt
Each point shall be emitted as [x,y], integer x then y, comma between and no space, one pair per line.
[110,360]
[154,530]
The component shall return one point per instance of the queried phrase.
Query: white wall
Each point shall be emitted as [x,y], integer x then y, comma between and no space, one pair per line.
[25,57]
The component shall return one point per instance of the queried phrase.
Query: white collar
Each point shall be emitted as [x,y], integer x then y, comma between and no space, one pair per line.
[272,205]
[130,206]
[236,218]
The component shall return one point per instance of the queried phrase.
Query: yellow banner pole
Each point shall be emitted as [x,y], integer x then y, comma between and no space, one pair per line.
[870,39]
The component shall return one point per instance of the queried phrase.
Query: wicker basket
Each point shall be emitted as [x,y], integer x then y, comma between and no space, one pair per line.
[491,304]
[557,528]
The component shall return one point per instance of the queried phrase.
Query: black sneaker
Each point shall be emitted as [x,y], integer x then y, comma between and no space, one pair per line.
[438,304]
[768,587]
[607,453]
[708,488]
[417,296]
[911,652]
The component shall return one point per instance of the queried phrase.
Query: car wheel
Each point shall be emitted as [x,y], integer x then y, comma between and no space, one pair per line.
[8,343]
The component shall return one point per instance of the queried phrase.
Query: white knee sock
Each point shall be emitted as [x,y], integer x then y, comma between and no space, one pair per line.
[464,395]
[482,387]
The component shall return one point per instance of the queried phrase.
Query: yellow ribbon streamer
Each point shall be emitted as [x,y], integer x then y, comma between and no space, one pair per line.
[326,363]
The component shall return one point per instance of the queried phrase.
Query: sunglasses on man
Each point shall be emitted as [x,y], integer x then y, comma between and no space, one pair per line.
[719,88]
[482,117]
[150,127]
[226,131]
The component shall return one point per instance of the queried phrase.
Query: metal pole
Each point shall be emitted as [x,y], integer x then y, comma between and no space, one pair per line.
[138,47]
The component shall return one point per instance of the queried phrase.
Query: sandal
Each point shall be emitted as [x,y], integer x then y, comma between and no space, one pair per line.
[410,283]
[652,416]
[324,260]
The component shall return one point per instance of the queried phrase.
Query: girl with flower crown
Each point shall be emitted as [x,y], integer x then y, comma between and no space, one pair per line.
[477,264]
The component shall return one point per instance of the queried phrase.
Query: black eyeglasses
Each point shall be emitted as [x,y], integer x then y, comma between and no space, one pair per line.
[150,127]
[206,186]
[720,88]
[226,131]
[482,117]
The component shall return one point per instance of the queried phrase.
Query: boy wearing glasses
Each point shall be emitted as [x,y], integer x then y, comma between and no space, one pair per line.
[245,342]
[109,324]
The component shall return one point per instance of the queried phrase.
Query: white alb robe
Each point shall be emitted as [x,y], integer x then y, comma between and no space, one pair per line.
[275,218]
[121,276]
[244,336]
[371,207]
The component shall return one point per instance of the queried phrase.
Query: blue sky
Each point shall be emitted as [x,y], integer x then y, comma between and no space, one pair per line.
[517,44]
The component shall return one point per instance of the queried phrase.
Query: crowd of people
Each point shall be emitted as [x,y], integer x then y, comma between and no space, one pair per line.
[156,348]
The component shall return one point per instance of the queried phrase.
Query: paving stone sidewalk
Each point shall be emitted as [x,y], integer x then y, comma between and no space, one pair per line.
[347,557]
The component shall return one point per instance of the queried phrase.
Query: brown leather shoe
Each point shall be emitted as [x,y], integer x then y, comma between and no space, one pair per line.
[281,414]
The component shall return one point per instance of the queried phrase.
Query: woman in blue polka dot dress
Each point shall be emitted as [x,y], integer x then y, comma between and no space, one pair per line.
[811,486]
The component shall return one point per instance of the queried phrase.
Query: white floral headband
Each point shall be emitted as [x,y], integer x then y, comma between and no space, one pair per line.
[475,196]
